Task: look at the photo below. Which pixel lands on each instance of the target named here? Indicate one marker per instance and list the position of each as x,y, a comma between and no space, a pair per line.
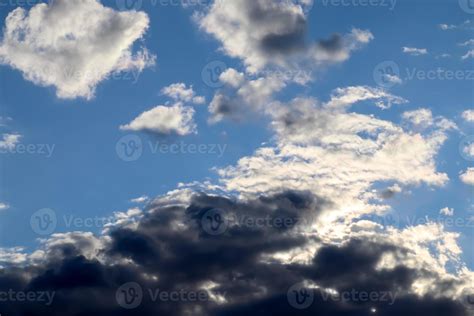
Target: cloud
446,27
173,249
469,54
176,119
415,51
273,33
466,25
179,92
9,141
420,117
447,211
468,115
311,140
4,206
73,45
141,199
241,96
468,176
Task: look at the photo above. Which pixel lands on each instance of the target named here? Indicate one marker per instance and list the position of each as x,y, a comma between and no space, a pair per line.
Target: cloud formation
468,176
273,33
178,247
176,119
73,45
415,51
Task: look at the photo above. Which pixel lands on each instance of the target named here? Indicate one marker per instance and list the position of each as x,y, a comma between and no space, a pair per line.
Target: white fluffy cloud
324,148
468,176
73,45
468,115
179,92
4,206
9,141
415,51
164,120
265,32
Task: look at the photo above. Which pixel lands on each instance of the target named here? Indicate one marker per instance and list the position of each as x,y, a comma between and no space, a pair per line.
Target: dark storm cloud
173,249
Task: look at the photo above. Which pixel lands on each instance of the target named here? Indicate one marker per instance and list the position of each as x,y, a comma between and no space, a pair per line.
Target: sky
122,123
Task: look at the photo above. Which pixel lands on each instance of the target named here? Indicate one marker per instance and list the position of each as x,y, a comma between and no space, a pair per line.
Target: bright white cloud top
73,45
468,176
164,120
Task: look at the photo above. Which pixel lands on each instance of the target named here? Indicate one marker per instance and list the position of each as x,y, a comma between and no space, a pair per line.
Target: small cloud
390,192
9,141
468,176
415,51
445,55
165,120
140,200
446,211
469,54
467,43
468,115
181,93
4,206
446,27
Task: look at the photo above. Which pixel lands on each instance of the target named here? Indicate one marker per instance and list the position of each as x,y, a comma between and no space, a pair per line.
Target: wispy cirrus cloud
414,51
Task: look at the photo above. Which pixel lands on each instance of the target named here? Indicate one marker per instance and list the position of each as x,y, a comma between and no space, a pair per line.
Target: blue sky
85,177
355,115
